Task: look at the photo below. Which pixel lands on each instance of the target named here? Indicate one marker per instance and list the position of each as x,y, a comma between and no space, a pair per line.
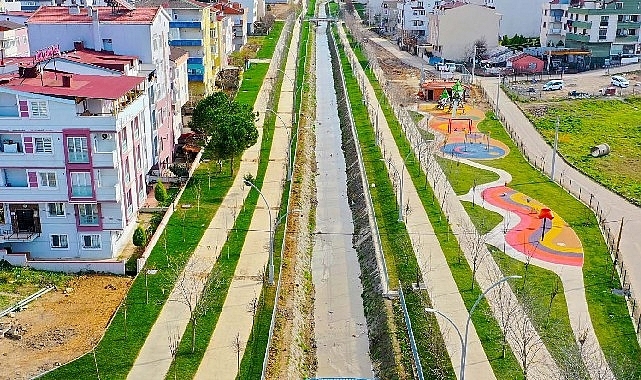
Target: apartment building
522,17
255,12
238,16
72,167
14,41
125,30
179,86
609,29
413,18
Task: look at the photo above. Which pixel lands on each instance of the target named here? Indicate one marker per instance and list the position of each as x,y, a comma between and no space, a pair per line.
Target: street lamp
289,143
467,324
271,232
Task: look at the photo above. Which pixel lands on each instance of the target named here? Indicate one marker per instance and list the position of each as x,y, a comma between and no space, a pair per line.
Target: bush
160,193
140,237
179,170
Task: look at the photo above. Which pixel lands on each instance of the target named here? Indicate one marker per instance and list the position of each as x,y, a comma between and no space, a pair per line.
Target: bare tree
173,341
474,242
506,308
237,345
527,342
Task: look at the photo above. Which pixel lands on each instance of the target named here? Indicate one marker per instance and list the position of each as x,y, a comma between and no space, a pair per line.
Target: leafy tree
140,237
229,124
160,193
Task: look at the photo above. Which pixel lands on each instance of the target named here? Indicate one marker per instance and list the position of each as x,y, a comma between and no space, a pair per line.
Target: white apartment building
179,87
522,17
140,32
72,167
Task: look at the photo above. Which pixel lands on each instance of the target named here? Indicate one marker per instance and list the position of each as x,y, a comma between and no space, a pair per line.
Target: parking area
575,86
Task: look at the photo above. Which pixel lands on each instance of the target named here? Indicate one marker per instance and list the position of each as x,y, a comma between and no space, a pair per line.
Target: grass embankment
360,8
608,312
396,244
116,352
588,122
252,362
486,327
186,362
334,9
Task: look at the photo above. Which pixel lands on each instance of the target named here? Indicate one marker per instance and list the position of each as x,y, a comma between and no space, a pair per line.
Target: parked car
556,84
619,81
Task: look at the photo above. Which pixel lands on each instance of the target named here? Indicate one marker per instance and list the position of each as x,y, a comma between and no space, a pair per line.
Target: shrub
160,193
140,237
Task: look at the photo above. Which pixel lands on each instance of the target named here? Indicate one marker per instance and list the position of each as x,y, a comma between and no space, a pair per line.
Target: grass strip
268,43
402,264
486,326
608,311
483,219
114,356
463,177
186,362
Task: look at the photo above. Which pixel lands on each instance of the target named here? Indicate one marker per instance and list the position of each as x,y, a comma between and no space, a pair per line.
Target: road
342,345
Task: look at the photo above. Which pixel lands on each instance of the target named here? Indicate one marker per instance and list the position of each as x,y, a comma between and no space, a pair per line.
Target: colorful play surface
558,243
463,137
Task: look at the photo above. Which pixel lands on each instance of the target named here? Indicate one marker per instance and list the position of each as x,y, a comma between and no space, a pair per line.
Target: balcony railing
108,193
181,42
628,25
626,39
582,24
78,157
105,159
577,37
89,220
81,191
185,24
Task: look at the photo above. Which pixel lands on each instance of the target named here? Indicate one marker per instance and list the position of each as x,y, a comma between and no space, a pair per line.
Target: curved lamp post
467,324
271,232
400,192
289,143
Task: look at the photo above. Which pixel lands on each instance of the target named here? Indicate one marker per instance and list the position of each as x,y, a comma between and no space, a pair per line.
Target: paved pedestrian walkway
608,205
154,358
236,319
431,259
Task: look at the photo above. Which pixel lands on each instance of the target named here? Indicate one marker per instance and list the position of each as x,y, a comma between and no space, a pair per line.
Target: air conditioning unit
107,136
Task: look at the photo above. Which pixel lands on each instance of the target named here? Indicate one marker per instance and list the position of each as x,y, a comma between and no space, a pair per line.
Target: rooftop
81,86
62,15
101,58
10,25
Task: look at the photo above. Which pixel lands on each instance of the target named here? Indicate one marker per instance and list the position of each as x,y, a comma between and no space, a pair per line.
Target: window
618,5
39,109
98,178
127,173
47,179
90,241
59,241
2,221
81,184
77,149
88,214
123,140
56,209
43,145
603,33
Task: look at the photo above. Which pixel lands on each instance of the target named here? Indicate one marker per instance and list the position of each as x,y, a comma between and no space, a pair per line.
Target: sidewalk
434,268
236,319
154,358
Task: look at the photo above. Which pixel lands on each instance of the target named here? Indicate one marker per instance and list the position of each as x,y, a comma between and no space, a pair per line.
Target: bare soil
61,326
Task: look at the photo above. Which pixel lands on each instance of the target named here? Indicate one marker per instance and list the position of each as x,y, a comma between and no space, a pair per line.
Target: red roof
229,8
101,58
82,86
60,15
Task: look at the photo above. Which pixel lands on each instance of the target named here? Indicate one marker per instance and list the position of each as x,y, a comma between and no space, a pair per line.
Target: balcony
554,31
581,24
105,159
81,191
196,77
18,237
620,39
78,157
13,178
195,61
628,25
11,143
109,193
181,42
577,37
185,24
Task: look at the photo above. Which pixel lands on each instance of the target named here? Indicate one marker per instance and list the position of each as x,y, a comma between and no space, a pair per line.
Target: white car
619,81
553,85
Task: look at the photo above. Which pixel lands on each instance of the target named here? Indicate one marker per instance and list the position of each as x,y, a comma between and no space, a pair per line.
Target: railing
410,332
81,191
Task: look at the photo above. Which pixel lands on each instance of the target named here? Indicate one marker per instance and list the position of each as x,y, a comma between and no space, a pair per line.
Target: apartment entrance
25,218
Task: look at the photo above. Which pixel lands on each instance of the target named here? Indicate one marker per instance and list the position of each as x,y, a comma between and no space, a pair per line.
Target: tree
160,193
140,237
230,126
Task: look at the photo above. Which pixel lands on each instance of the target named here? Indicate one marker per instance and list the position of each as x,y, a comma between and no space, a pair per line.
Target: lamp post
289,143
271,233
462,337
498,91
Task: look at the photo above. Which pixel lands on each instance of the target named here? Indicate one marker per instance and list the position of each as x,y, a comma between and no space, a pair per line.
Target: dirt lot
61,325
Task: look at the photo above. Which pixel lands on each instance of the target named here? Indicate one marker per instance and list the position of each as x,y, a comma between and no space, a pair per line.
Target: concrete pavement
154,358
236,318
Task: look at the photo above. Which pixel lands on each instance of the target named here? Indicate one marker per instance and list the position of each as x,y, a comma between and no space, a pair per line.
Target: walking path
433,265
236,319
154,358
609,206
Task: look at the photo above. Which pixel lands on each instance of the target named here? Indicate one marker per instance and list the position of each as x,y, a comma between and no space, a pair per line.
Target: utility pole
498,91
556,145
473,63
620,232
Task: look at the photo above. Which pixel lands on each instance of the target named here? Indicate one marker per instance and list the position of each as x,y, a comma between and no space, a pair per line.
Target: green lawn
484,220
486,327
360,8
464,177
588,122
268,42
609,312
16,283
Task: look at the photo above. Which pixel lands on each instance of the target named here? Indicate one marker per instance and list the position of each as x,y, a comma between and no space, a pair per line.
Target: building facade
238,16
139,32
179,87
71,163
14,41
522,17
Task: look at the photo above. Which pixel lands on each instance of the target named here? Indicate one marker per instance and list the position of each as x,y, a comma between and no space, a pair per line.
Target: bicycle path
155,358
